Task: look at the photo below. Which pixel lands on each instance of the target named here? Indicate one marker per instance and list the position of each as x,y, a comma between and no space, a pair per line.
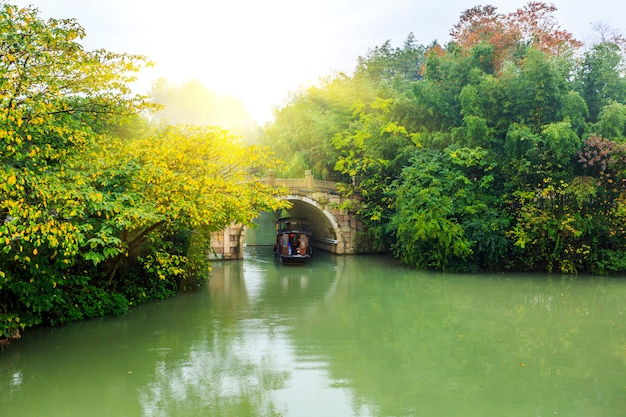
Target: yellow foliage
197,176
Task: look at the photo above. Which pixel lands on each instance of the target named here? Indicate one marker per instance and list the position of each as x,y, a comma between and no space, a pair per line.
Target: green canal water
341,336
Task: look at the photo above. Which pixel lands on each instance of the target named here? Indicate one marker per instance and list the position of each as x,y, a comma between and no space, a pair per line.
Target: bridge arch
326,230
334,229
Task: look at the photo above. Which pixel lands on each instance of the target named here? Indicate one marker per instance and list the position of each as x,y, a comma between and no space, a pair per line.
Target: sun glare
255,51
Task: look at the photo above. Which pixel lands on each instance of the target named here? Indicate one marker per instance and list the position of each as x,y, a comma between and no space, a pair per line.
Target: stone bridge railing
306,184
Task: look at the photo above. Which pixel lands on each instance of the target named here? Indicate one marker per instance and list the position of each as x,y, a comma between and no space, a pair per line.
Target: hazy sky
259,50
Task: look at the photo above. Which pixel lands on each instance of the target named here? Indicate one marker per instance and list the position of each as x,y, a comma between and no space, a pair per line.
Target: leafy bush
86,302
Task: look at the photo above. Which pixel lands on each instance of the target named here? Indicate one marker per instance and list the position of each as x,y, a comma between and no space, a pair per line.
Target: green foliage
498,150
445,217
535,86
437,97
560,143
551,230
373,152
396,68
612,121
610,262
478,132
85,302
52,90
575,110
600,79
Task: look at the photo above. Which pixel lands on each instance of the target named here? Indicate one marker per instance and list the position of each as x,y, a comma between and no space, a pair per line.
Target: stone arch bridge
334,229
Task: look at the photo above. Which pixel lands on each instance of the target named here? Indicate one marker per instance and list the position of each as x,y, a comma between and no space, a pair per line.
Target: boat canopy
293,225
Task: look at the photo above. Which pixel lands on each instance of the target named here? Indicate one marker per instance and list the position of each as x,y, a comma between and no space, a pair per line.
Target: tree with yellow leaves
97,209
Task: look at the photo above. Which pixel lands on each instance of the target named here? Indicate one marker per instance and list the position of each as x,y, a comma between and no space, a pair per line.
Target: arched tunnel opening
326,233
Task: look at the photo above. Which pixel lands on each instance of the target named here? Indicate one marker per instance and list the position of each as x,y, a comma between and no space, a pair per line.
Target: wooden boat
293,241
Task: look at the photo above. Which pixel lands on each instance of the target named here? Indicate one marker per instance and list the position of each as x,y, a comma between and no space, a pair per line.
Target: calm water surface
341,336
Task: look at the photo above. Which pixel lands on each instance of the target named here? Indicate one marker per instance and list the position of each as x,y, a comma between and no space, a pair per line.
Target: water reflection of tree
408,343
216,379
223,371
414,343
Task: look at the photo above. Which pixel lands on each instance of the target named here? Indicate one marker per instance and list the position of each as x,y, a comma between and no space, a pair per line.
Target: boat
293,240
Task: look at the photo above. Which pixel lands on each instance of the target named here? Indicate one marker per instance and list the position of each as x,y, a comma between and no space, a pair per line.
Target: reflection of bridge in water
334,228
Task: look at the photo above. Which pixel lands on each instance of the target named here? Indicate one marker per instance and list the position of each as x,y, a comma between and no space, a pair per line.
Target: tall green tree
600,77
612,121
445,214
372,153
398,67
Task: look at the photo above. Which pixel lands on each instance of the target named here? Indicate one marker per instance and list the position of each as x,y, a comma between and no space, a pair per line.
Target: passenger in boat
294,243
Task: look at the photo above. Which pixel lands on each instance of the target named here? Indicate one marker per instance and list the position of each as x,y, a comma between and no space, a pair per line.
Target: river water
341,336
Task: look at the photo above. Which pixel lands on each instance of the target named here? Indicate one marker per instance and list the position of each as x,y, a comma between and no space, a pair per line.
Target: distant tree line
504,149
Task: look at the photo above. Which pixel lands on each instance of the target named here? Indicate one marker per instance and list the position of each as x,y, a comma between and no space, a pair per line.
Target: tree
397,67
600,77
612,121
475,161
604,167
51,91
535,89
373,152
533,25
89,190
172,179
445,217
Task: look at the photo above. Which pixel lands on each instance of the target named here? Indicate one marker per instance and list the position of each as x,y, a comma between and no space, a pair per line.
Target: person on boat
293,243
